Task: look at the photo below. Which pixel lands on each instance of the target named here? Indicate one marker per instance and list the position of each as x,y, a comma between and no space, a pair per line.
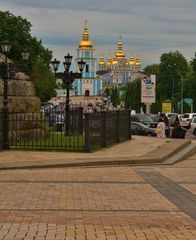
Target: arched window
87,93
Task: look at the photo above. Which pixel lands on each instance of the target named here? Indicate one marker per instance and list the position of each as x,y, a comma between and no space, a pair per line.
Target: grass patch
54,141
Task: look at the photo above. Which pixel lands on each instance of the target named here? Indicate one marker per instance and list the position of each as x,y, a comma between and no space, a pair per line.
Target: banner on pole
148,88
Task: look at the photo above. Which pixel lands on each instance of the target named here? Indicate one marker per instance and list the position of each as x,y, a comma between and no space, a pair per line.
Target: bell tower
89,83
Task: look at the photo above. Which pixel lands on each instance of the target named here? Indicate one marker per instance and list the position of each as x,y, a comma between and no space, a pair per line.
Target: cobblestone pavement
105,203
189,135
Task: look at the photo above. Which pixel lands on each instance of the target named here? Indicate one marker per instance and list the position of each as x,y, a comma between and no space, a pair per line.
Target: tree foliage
152,69
173,67
175,77
107,91
190,84
44,81
115,97
18,31
133,95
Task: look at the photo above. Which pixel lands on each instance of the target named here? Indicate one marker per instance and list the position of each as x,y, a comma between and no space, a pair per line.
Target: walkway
140,150
101,202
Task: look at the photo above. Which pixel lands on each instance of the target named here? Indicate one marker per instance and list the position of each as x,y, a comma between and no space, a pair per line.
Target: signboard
188,101
148,86
166,107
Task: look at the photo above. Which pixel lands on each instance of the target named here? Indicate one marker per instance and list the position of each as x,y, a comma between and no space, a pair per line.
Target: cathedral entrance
87,93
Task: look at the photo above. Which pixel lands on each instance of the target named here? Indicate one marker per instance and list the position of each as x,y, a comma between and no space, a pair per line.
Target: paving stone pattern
105,203
182,198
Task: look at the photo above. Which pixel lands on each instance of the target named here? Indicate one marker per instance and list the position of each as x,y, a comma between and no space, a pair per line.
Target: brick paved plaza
124,202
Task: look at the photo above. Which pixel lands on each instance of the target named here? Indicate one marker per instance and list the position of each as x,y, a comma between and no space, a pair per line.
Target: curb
177,150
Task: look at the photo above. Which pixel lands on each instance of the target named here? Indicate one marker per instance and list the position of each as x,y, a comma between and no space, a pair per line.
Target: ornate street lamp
6,70
25,54
55,64
68,77
6,46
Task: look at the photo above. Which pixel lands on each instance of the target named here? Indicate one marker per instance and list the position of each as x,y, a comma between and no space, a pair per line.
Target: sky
147,27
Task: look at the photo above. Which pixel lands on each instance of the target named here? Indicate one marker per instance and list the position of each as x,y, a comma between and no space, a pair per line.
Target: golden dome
101,61
137,61
132,61
85,43
127,63
114,61
120,53
109,61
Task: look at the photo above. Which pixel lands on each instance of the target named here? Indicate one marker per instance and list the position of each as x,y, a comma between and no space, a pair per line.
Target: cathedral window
87,68
87,55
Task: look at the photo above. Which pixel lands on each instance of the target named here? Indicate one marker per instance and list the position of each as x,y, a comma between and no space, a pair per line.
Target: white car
193,126
186,118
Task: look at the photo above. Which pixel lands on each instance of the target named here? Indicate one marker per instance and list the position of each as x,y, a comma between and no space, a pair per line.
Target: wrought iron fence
87,132
46,131
106,128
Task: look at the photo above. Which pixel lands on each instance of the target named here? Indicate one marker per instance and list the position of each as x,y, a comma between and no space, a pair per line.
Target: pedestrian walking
167,126
160,130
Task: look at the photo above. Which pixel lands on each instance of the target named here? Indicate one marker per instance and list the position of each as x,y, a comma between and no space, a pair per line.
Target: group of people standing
164,130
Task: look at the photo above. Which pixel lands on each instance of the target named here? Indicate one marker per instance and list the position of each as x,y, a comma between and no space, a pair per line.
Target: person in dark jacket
178,131
167,126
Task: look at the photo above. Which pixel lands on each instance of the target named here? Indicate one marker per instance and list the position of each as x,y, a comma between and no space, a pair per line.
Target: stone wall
21,95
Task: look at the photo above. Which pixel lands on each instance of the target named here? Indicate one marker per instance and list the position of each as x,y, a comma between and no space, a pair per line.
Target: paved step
166,151
181,155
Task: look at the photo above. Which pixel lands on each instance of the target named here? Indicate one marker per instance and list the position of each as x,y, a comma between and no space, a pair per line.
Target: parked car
138,128
143,118
193,126
186,118
155,117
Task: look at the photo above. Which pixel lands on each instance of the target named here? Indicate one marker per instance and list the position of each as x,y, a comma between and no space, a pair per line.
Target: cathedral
90,84
119,69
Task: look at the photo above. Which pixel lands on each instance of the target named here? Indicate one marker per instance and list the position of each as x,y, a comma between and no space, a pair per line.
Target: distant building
119,69
90,84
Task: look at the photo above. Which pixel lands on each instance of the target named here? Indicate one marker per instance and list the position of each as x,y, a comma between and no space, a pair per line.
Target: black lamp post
68,77
6,70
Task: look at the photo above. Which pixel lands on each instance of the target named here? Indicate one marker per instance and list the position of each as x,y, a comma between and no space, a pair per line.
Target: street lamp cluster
67,77
7,70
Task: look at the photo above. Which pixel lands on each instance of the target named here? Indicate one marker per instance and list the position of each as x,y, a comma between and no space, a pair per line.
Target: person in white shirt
160,129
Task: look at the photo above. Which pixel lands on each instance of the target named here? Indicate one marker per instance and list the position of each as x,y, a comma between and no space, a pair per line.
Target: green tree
190,85
44,81
107,91
173,67
193,64
128,96
18,31
152,69
115,98
133,95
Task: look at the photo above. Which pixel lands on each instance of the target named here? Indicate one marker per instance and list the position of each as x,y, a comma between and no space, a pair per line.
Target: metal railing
87,132
106,128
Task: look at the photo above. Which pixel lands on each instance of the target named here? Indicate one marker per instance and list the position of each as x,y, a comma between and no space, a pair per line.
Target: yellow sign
166,107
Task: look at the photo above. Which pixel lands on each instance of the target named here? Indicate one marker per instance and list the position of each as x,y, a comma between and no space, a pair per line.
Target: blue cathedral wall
98,87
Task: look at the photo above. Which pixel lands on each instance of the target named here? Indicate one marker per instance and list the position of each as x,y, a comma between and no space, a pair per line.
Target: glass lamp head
55,64
6,46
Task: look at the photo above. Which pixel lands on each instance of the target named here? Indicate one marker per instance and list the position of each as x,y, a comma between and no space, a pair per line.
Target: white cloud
149,27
